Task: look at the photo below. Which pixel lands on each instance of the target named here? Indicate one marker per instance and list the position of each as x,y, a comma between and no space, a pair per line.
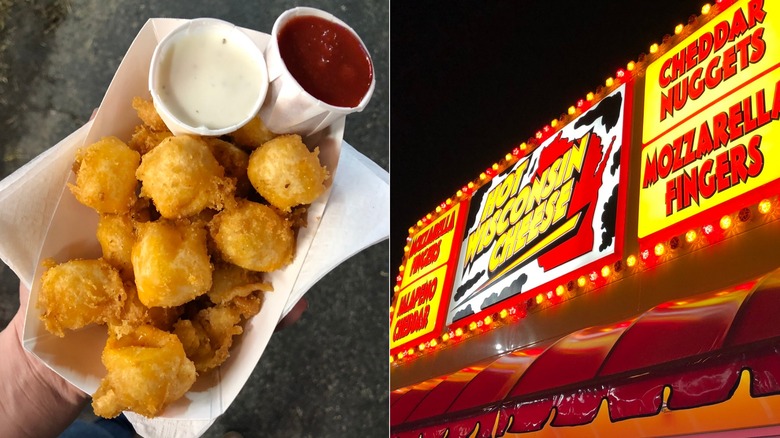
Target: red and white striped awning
696,347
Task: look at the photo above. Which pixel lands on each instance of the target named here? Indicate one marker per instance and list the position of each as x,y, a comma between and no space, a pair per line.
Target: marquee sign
710,121
556,211
429,269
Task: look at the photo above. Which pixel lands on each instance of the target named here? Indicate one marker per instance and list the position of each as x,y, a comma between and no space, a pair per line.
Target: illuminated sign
558,210
429,269
710,132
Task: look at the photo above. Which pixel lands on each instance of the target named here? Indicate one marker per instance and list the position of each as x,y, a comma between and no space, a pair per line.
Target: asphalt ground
328,374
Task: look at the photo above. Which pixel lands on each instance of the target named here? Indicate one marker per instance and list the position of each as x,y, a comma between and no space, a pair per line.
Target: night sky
470,80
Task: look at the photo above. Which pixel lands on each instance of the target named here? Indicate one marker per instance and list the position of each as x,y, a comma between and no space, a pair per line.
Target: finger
24,296
294,315
94,112
18,320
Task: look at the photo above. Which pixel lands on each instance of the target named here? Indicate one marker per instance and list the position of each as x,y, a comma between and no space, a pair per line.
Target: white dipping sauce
208,78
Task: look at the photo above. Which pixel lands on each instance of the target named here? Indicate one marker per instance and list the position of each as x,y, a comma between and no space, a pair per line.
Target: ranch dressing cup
319,71
207,77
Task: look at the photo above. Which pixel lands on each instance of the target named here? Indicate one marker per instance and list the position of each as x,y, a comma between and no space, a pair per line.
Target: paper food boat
70,233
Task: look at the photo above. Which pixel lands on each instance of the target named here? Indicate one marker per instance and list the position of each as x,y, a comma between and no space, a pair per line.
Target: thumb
294,315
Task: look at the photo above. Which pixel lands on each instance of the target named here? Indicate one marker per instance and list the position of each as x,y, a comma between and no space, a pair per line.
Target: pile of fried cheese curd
188,228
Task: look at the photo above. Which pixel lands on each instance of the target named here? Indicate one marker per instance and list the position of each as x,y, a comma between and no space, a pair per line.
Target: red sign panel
555,212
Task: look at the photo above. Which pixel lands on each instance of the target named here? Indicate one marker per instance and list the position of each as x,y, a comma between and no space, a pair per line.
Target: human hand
44,375
34,400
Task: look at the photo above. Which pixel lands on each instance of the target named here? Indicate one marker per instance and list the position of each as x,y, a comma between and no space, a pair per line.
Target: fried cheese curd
77,293
253,236
116,235
148,114
151,131
105,176
145,139
252,135
135,314
286,173
182,177
235,162
231,281
171,262
208,335
147,369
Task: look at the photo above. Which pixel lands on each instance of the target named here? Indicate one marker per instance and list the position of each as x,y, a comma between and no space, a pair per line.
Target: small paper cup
186,100
288,107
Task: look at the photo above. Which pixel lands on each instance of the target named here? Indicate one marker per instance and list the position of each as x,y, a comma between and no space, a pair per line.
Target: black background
470,80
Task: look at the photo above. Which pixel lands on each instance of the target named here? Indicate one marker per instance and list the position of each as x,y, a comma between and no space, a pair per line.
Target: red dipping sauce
326,59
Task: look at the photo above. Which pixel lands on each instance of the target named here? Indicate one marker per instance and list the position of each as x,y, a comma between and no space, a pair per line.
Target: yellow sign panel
431,247
739,43
715,138
417,308
429,270
723,153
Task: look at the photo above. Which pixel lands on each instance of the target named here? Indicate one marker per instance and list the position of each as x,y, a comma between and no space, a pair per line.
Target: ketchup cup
319,71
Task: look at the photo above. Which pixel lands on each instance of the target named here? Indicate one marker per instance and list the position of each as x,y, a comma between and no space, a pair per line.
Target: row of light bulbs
695,238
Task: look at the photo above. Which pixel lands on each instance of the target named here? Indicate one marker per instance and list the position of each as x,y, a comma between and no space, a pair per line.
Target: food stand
618,272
